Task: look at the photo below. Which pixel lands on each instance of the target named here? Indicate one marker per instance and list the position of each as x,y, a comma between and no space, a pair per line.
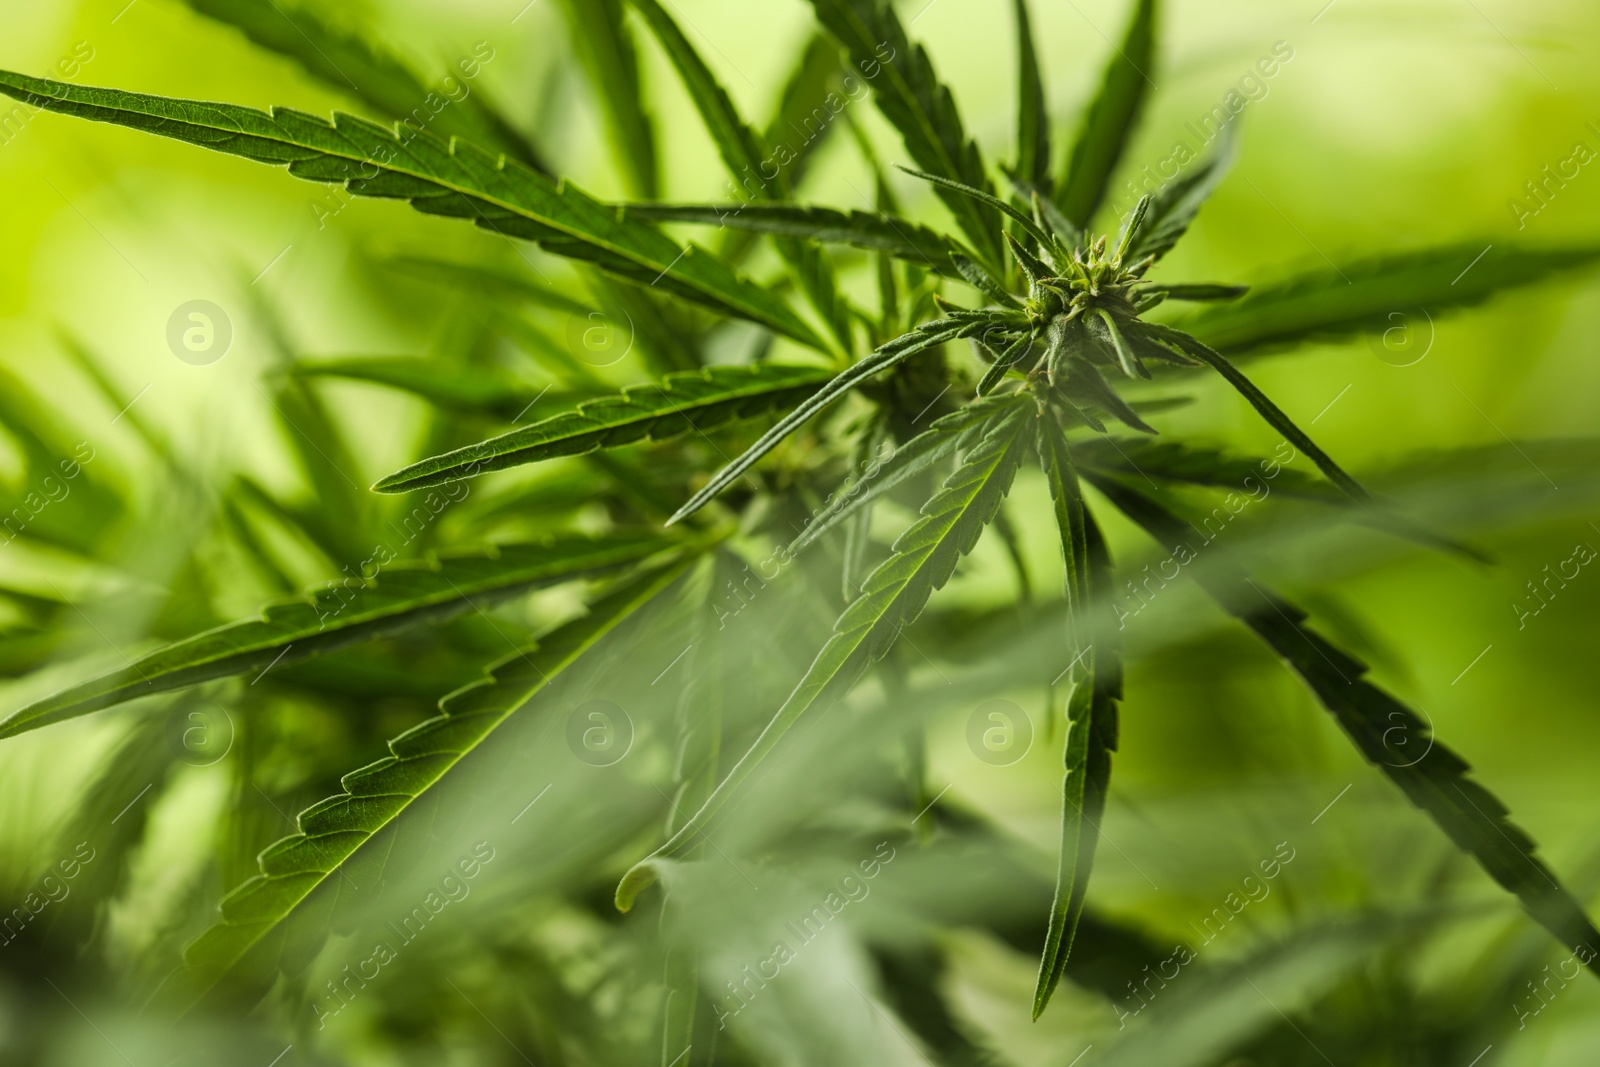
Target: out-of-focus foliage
713,423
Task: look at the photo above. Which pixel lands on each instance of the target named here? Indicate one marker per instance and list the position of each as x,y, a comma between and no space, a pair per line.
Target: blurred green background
1395,125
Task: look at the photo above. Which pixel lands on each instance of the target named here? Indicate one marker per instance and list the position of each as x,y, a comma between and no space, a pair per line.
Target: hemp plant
1027,330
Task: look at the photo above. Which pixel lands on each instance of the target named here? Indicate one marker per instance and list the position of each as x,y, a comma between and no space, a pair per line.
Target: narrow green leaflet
605,47
489,281
799,126
1109,123
1182,464
1399,292
1389,734
404,595
348,836
944,438
472,389
928,335
924,558
1091,706
910,95
1178,202
746,158
681,403
807,108
1173,462
455,179
349,64
1033,115
905,240
1270,412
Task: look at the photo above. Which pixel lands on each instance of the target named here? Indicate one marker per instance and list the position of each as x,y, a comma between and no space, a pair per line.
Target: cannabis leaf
1384,730
1177,204
914,243
1096,686
1381,293
928,335
469,389
350,835
354,609
1110,120
747,160
910,95
604,45
355,66
690,402
924,558
455,179
946,437
1033,114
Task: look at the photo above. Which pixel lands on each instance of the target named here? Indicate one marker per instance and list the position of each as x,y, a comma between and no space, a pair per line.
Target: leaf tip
639,878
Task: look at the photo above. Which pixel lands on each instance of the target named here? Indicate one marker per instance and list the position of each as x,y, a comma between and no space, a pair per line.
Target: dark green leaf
455,179
1263,404
929,335
1389,734
1398,291
1109,123
910,95
693,401
1033,115
924,558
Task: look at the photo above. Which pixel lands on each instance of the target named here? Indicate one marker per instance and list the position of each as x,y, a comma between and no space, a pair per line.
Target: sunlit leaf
604,45
352,832
455,179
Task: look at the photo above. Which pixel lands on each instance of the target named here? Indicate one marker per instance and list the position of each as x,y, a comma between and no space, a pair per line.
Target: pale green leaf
929,335
301,875
1177,203
747,160
403,595
943,439
604,45
470,389
1094,665
1033,115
